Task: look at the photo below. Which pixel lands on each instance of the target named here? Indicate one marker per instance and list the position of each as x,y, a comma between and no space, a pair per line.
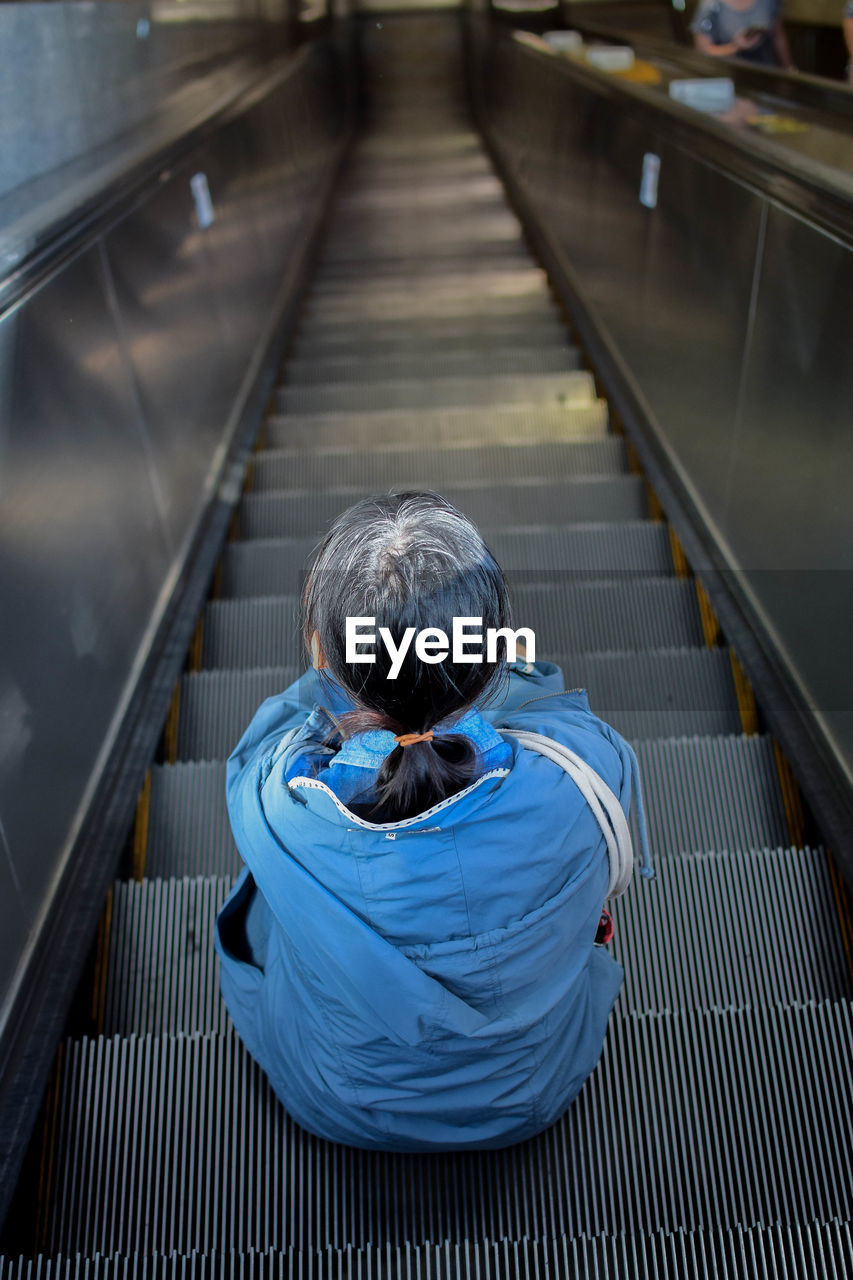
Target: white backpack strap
601,800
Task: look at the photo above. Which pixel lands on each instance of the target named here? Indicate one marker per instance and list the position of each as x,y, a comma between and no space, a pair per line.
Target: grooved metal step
521,500
438,334
276,566
674,693
150,1128
698,939
424,247
519,306
666,693
584,417
647,613
712,795
819,1251
162,973
216,706
547,390
492,273
385,467
497,362
188,831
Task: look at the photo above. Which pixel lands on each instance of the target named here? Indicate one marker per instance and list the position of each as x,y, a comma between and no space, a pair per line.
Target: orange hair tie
409,739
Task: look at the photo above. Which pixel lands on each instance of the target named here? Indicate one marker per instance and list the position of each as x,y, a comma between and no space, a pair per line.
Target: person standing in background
747,29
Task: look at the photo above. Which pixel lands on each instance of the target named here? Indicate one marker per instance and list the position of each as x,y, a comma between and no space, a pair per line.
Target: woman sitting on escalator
415,953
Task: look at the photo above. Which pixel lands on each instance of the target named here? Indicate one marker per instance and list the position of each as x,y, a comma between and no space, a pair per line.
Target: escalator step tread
548,390
702,795
585,417
517,498
644,613
687,1122
494,274
712,794
536,305
820,1251
676,693
498,362
162,973
215,707
699,938
188,831
437,334
274,566
383,467
425,249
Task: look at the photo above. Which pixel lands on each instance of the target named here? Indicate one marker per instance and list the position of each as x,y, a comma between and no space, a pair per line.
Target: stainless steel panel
788,507
117,383
83,560
733,317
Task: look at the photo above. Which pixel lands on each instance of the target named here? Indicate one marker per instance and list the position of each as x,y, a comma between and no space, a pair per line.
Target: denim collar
368,750
351,771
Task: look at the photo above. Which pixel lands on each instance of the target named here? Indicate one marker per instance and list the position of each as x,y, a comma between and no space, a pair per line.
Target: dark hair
408,560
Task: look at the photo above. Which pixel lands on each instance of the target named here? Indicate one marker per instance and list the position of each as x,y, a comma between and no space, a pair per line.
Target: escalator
714,1137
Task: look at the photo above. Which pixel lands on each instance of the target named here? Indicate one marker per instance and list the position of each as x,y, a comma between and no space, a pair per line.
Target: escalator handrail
799,87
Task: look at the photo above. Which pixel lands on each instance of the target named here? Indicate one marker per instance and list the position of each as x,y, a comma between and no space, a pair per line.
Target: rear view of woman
413,953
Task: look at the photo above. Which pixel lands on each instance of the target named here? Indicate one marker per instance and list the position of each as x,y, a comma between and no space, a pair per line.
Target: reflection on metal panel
118,381
83,558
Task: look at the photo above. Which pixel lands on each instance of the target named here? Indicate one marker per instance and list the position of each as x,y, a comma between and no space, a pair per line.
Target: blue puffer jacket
432,983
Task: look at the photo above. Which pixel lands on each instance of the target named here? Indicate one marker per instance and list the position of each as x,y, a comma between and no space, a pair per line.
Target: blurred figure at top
747,29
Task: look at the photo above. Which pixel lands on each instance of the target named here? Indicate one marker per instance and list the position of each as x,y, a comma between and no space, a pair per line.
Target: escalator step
646,613
674,693
659,694
522,499
275,566
162,973
425,248
383,467
177,1143
188,832
500,361
438,334
547,390
820,1251
215,707
703,936
520,307
699,938
716,794
582,419
455,274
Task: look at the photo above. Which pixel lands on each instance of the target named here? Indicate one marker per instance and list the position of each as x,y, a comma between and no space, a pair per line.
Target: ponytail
414,778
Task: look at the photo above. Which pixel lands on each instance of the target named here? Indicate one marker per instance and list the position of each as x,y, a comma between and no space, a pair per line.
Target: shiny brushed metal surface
731,314
120,385
84,554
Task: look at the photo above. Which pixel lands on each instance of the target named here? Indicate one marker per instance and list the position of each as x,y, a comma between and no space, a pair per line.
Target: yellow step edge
746,703
140,830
